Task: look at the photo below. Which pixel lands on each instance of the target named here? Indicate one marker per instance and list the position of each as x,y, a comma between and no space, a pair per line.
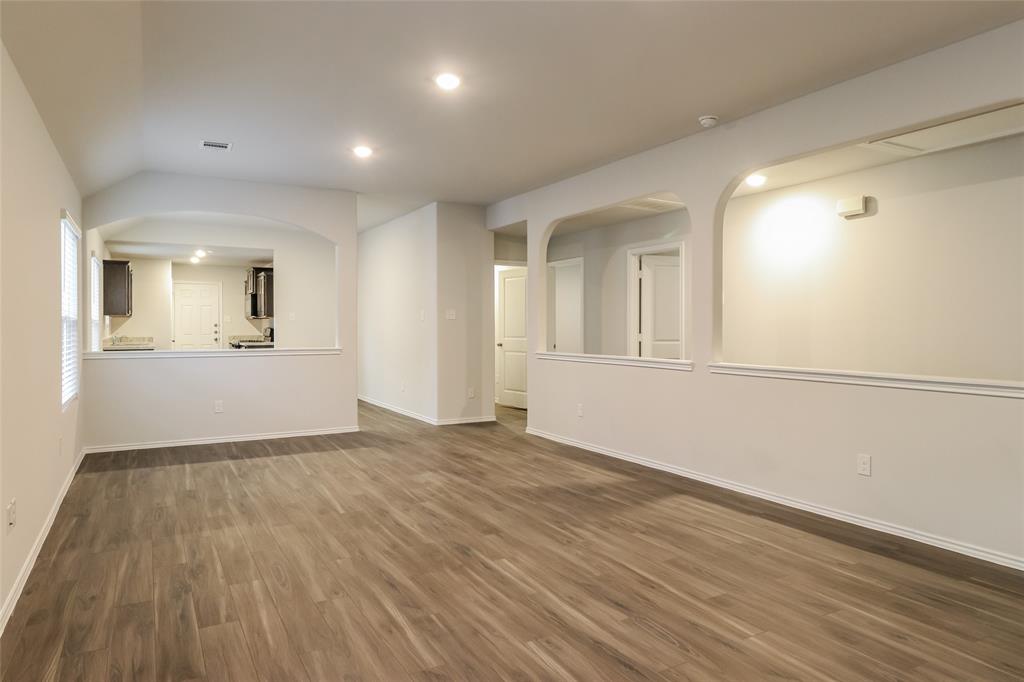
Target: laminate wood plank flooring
408,552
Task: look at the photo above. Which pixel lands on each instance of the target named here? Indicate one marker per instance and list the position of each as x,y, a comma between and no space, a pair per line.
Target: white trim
989,387
218,353
207,440
26,568
625,361
992,556
424,418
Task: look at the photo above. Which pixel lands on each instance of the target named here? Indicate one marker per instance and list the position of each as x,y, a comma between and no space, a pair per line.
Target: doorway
654,302
197,323
565,306
510,336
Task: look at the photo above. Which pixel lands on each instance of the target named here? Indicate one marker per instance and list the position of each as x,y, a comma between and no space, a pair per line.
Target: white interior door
510,337
196,316
565,306
660,335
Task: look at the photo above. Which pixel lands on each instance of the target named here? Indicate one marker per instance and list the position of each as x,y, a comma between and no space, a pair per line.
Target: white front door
196,316
565,306
659,307
510,337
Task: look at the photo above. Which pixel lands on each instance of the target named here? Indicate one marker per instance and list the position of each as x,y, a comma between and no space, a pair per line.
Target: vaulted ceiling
550,89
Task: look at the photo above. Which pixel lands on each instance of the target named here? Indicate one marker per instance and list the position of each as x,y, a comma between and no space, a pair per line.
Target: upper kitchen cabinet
117,288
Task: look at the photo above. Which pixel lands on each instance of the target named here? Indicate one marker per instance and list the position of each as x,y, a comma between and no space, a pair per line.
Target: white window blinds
69,306
95,329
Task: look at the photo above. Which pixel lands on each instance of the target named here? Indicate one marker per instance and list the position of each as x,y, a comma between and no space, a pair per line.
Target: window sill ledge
218,353
986,387
622,360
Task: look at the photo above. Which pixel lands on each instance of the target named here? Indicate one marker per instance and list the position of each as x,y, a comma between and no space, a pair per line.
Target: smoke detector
707,120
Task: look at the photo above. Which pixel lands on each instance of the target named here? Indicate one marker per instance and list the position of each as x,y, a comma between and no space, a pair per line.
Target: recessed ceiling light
756,180
362,151
200,253
193,260
447,81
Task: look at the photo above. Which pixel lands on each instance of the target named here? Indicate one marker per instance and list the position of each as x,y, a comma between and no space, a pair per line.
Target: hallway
413,552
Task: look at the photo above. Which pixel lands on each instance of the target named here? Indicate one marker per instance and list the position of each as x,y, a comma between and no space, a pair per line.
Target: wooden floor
411,552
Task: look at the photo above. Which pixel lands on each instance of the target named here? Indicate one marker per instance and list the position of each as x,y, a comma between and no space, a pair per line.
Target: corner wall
39,442
426,315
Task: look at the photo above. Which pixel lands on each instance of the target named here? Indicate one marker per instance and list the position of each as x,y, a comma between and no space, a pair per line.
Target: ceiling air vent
210,144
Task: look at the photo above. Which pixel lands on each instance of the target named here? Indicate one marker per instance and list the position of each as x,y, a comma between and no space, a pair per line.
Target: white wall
233,298
397,312
39,442
931,283
465,281
305,282
509,248
152,400
413,272
152,303
604,252
296,392
948,468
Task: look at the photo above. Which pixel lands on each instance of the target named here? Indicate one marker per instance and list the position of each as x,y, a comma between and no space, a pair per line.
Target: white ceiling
181,253
550,89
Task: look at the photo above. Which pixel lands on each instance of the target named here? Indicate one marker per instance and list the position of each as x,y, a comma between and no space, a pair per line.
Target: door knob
501,345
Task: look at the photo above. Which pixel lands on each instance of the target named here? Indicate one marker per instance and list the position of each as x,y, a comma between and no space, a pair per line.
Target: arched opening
854,259
189,280
616,280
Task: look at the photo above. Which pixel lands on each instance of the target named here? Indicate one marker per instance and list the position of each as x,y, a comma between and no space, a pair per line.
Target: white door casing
565,306
654,292
197,318
510,338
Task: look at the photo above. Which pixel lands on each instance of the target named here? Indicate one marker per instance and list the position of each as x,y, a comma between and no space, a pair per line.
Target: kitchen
180,298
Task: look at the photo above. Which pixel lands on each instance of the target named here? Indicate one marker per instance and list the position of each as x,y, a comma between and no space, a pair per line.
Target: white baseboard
425,418
26,568
982,553
149,445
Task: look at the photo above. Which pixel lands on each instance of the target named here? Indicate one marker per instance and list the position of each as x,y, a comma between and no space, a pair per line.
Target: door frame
220,310
499,374
633,294
565,262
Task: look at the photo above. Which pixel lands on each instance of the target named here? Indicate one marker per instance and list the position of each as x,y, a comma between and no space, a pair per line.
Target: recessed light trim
756,180
194,260
448,81
362,151
200,253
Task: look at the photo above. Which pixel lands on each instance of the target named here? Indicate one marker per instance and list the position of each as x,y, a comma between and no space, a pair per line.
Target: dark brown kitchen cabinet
117,288
259,293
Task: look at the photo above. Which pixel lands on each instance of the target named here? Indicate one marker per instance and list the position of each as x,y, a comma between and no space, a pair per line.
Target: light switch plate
449,314
864,465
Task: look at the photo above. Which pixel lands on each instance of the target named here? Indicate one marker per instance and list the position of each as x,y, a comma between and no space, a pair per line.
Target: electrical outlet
470,392
218,406
579,409
864,465
12,513
291,316
401,388
423,316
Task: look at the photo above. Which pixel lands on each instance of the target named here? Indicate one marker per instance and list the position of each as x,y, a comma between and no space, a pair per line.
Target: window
94,304
70,238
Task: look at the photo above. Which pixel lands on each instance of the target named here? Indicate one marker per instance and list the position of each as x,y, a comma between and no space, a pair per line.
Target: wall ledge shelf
219,353
986,387
622,360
